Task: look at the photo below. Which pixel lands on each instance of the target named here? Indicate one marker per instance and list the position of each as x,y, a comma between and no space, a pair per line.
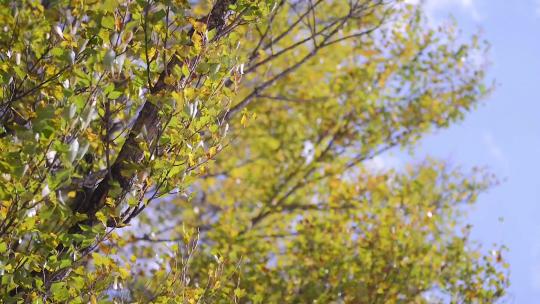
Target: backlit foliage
177,151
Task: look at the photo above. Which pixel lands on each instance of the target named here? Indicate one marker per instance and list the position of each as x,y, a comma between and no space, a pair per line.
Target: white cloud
308,153
494,150
435,7
383,162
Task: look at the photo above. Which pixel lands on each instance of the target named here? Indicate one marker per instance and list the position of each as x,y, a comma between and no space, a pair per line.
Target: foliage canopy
219,151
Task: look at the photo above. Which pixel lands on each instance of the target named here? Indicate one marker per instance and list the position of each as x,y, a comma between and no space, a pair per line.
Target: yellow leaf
109,201
199,26
170,80
368,53
212,152
124,273
151,53
101,217
192,161
117,23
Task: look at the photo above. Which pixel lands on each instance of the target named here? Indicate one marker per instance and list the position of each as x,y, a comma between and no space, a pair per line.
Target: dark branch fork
329,37
149,121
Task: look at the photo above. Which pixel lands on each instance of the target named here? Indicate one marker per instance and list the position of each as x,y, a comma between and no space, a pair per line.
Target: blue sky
503,133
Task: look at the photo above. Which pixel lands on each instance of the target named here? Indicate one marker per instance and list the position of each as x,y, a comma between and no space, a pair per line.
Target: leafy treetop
218,151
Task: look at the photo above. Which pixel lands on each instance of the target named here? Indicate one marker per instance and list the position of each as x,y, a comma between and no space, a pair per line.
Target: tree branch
148,124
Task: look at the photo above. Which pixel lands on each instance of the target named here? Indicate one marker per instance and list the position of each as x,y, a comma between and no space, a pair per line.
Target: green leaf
59,291
114,94
57,52
108,22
